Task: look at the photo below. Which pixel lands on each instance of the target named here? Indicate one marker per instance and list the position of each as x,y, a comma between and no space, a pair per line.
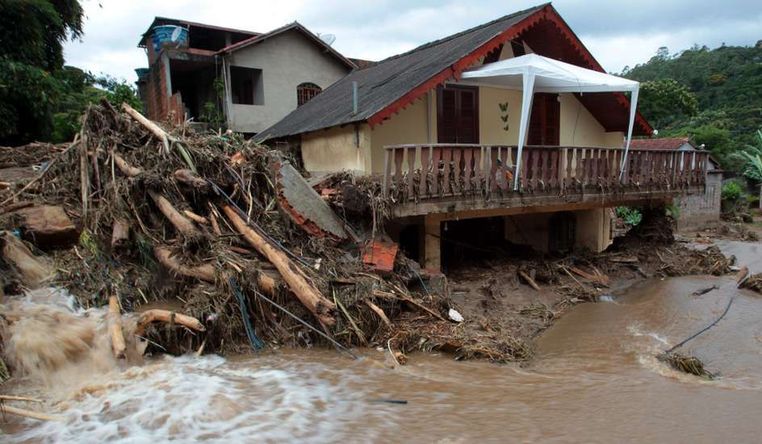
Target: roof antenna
328,39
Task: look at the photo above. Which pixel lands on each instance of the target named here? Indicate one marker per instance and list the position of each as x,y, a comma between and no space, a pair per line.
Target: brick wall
698,210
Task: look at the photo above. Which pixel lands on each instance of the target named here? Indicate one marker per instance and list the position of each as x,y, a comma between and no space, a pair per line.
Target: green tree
665,101
32,33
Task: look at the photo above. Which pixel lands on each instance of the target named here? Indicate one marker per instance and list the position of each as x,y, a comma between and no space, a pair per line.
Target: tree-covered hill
714,95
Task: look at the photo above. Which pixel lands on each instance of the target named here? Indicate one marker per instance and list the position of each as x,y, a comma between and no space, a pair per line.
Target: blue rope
256,343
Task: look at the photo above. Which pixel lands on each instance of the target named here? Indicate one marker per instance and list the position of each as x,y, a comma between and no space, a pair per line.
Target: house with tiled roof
507,132
243,80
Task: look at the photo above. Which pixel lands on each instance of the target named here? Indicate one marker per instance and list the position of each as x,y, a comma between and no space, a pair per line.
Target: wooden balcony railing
432,171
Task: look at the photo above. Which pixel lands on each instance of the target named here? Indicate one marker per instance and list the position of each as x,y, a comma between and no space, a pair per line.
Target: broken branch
166,316
180,222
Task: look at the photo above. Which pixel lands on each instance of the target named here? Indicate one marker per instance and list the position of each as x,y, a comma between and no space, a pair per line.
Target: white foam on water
204,399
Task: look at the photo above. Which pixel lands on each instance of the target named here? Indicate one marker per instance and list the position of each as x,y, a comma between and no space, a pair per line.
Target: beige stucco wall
491,126
417,124
286,61
337,149
580,128
408,126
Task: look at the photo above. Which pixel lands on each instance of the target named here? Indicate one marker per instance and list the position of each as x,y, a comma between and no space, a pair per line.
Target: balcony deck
449,178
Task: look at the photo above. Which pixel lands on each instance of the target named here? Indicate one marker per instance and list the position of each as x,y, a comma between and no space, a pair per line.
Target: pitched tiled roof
666,144
388,80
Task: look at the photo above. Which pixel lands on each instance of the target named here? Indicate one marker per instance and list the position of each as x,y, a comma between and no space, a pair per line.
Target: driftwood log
309,296
150,126
180,222
203,272
34,271
166,316
118,345
191,179
126,169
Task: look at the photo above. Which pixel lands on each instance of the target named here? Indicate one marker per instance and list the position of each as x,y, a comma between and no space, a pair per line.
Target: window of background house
305,92
246,86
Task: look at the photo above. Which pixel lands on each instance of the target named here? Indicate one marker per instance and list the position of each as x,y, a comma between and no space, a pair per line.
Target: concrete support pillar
432,249
594,229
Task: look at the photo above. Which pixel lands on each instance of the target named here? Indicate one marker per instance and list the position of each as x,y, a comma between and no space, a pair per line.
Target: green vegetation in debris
40,98
713,96
630,216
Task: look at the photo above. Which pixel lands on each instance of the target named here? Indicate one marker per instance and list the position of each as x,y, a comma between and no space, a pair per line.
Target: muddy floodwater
595,379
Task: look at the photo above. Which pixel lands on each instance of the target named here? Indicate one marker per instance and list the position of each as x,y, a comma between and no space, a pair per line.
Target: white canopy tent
532,73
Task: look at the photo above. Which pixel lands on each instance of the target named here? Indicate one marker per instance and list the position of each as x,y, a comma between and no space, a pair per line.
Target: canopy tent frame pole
526,108
633,111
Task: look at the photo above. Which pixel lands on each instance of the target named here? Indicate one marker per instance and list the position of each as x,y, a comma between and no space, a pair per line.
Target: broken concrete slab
47,227
304,206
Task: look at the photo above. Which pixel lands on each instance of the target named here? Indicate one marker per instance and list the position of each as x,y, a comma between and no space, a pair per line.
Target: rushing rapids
595,377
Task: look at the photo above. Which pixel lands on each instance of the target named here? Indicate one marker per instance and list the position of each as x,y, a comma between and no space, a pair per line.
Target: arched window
306,91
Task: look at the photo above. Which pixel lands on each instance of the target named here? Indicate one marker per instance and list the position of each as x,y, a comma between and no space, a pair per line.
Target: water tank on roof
171,35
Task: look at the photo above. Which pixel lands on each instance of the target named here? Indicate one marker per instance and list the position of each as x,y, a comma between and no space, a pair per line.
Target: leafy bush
732,191
630,216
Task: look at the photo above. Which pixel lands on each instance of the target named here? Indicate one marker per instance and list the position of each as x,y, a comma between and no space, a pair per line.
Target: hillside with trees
41,98
712,95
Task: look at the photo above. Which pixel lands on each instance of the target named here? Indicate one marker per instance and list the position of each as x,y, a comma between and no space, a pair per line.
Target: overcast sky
617,33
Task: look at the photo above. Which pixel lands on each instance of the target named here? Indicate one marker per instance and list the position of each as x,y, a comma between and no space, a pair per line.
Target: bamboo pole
309,296
118,344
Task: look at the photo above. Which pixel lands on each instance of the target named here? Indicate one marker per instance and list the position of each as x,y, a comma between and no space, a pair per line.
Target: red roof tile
666,144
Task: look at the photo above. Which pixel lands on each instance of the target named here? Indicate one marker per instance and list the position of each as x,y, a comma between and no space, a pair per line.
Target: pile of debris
226,231
240,251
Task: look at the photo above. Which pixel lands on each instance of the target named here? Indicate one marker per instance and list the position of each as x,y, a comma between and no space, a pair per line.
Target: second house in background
244,80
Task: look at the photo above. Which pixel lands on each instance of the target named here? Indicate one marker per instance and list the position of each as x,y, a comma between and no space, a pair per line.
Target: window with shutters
545,122
305,92
458,114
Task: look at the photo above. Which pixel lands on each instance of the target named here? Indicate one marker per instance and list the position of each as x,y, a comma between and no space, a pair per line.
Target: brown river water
595,379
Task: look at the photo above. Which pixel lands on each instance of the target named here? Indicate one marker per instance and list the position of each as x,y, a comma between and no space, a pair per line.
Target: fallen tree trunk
118,344
166,316
202,272
309,296
150,126
180,222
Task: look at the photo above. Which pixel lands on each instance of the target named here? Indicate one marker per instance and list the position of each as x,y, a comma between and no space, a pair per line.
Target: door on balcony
458,114
545,121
